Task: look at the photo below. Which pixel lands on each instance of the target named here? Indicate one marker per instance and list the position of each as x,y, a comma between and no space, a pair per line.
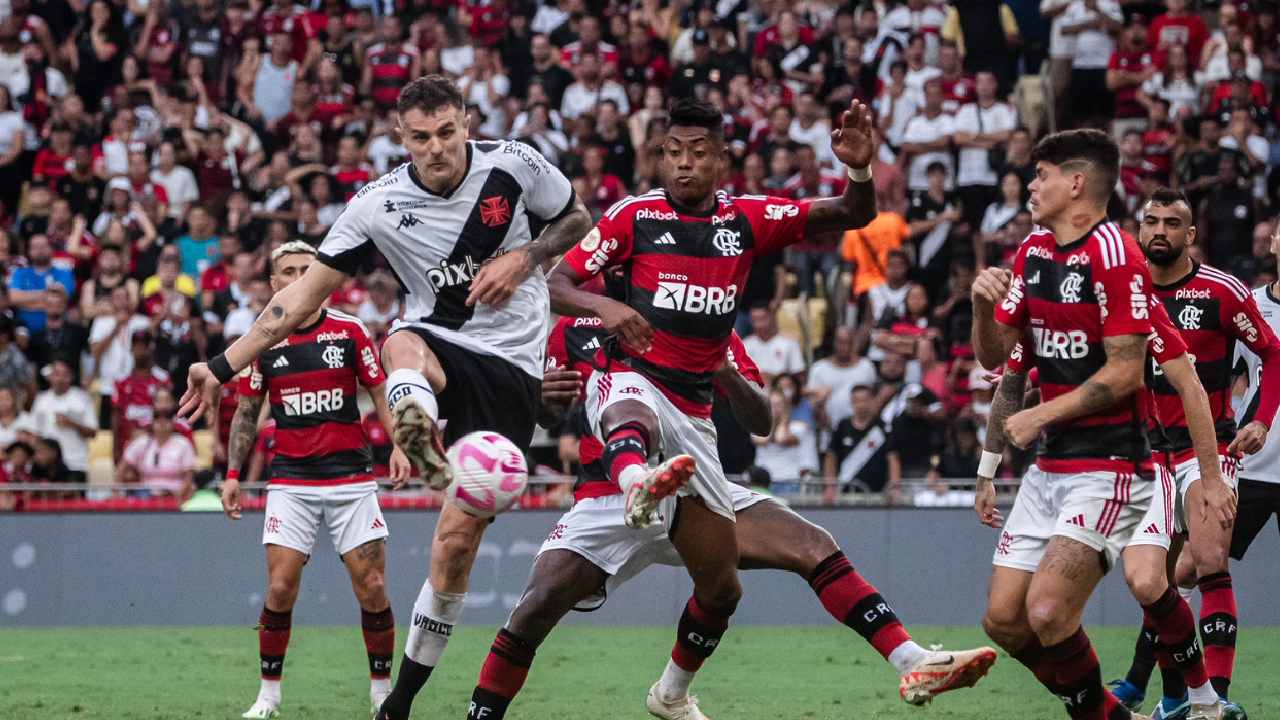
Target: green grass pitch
580,672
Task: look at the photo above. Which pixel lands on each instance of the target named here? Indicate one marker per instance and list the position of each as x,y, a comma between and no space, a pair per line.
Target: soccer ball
489,473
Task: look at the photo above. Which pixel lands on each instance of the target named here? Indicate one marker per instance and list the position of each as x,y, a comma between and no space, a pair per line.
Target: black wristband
221,369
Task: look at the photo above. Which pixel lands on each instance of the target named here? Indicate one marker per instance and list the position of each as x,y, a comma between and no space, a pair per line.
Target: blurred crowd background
153,152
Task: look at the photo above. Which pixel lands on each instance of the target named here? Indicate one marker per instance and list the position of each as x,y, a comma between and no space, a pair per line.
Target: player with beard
686,250
1213,311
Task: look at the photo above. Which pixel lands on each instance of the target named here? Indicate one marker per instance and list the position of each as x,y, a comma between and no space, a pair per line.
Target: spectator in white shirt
810,128
775,354
980,127
178,181
928,140
790,451
583,96
65,413
110,341
1095,25
381,307
14,423
831,379
1062,52
485,86
922,18
161,460
918,71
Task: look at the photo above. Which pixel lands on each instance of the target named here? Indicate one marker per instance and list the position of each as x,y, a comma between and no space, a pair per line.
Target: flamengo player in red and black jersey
1165,613
321,468
1213,311
1079,289
685,251
591,548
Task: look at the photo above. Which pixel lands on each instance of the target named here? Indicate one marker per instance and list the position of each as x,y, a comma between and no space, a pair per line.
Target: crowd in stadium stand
153,152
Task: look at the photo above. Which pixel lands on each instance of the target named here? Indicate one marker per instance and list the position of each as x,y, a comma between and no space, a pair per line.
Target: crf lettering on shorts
1070,345
699,299
310,403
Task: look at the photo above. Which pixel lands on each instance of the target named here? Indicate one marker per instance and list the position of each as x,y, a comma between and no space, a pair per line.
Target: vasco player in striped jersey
322,468
1214,312
591,552
1079,288
1146,555
685,251
457,225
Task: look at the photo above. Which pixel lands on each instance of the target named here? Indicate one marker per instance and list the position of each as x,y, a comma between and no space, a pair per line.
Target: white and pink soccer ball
489,473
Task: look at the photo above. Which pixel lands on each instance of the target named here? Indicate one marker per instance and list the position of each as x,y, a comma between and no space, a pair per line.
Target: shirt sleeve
547,192
1122,285
1165,342
557,349
1255,334
776,222
368,368
609,243
1012,310
348,241
739,356
252,383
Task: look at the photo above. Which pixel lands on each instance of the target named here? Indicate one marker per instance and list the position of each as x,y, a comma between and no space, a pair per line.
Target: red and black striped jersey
390,66
684,274
574,343
310,380
1214,311
1068,299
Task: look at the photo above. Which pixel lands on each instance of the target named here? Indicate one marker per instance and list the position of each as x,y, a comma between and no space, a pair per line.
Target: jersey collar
1075,244
686,210
1195,268
324,313
413,175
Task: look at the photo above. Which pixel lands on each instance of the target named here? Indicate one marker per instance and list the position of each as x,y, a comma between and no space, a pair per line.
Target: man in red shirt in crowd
640,63
289,17
957,88
389,65
1130,66
350,174
135,395
1178,26
591,39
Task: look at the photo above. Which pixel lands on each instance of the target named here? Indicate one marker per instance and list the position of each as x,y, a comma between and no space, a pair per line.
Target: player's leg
771,536
415,376
1209,544
367,566
1132,689
559,581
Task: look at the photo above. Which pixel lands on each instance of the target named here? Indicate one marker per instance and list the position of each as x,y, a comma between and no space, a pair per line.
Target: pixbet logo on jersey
452,274
686,297
309,403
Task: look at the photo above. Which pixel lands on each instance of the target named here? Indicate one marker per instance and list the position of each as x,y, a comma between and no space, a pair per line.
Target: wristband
988,464
221,369
233,474
860,175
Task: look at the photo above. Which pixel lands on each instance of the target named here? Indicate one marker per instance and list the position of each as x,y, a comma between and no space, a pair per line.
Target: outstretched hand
202,394
854,141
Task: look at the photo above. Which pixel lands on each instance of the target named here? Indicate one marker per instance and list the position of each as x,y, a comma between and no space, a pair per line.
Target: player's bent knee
630,412
372,590
1146,584
722,596
1050,620
452,555
281,593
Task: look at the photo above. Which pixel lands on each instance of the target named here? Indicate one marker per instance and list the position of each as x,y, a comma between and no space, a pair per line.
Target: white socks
379,686
906,656
270,691
410,383
674,684
434,615
631,475
1187,593
1203,695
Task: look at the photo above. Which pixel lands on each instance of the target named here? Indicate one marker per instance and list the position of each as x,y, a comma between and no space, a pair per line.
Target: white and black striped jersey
436,243
1265,464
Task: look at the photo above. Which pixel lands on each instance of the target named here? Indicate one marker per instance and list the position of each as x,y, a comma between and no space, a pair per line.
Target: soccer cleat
419,437
376,698
662,481
1128,694
1177,712
262,709
943,671
686,708
1232,711
1208,711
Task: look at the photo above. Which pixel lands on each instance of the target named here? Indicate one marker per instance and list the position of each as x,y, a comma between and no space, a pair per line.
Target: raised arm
854,144
992,340
1219,500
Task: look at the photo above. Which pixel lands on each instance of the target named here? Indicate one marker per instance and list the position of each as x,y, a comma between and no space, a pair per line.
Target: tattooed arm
1119,378
244,432
1006,403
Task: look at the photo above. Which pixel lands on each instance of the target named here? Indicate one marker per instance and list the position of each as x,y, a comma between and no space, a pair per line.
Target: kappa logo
333,356
778,212
727,242
1070,289
1189,317
281,362
665,239
407,221
495,211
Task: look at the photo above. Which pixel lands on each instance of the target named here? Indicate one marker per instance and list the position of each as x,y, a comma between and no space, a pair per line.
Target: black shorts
483,392
1258,501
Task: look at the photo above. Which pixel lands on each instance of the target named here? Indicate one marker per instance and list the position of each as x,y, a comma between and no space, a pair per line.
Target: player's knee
535,615
1050,620
632,413
373,589
1146,584
1004,627
452,554
281,593
722,596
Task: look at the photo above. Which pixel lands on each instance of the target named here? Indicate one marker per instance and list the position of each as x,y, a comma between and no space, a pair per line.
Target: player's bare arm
747,400
992,340
399,464
1119,378
619,319
854,144
286,311
244,431
559,390
498,279
1004,405
1219,500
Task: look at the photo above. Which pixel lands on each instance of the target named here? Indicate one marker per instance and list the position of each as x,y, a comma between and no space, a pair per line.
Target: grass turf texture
758,672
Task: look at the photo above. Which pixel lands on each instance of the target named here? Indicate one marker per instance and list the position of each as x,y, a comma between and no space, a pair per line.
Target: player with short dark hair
686,250
1079,289
322,468
591,552
457,226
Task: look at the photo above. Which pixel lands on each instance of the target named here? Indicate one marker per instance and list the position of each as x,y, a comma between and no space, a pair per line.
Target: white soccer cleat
263,709
686,708
662,481
419,437
942,671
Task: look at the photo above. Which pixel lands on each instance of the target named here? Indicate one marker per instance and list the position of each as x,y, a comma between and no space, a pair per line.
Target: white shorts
1157,525
1187,472
594,529
681,434
351,511
1100,509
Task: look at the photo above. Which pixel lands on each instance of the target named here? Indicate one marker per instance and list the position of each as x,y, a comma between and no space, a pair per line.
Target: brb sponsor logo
683,296
778,212
316,401
1056,344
